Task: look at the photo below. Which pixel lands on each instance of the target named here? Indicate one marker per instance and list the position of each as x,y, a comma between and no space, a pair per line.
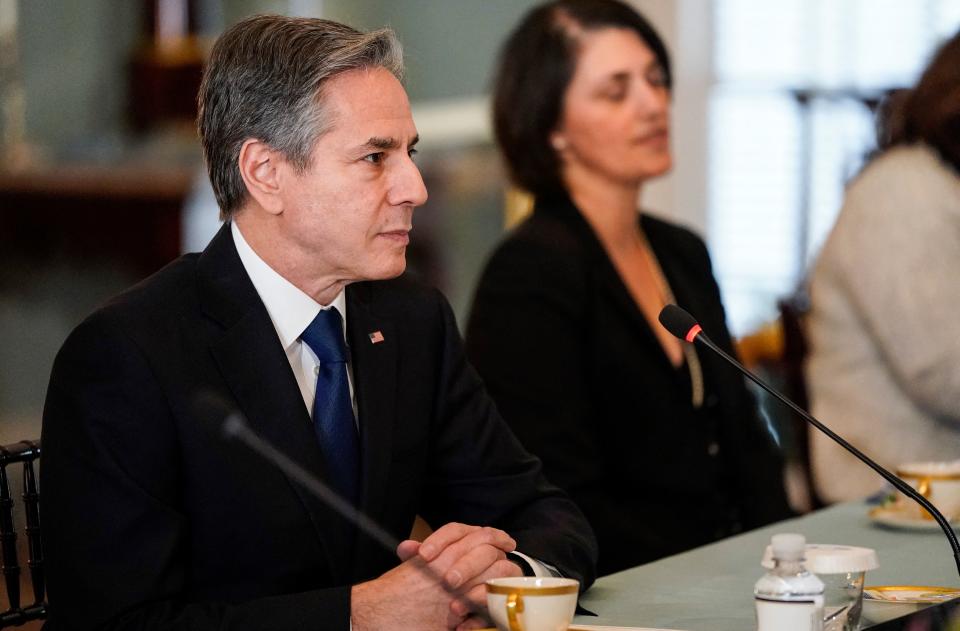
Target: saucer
587,627
912,594
903,520
882,603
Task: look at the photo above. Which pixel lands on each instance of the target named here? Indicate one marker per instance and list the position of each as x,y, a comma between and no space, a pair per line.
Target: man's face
350,213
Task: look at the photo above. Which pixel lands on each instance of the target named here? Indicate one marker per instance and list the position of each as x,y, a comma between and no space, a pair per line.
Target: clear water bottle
788,597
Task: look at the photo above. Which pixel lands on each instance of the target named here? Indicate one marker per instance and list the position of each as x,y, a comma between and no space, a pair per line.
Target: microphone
233,425
681,324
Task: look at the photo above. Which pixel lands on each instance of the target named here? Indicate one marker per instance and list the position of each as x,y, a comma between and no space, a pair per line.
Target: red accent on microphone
692,334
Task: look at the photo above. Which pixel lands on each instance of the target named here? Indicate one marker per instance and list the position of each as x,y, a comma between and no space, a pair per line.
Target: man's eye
412,153
374,158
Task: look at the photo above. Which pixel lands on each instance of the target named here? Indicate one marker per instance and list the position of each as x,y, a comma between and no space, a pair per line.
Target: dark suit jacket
153,520
577,372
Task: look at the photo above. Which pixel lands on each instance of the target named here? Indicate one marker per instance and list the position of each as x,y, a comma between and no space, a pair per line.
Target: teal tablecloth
711,588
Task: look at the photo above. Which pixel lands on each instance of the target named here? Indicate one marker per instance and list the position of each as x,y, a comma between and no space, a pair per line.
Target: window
790,122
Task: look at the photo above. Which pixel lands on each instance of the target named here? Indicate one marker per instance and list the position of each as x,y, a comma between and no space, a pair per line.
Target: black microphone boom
682,325
233,425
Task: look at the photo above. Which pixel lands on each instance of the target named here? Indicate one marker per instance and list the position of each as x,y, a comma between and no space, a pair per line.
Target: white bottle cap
825,558
788,546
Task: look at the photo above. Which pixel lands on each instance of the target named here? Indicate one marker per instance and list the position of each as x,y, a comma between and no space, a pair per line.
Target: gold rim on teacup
929,476
533,591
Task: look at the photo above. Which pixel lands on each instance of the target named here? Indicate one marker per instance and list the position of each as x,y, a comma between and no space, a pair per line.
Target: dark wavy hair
930,111
535,67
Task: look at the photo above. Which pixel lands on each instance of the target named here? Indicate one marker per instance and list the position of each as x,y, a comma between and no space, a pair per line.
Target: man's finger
454,619
476,596
408,549
443,537
474,622
491,537
473,563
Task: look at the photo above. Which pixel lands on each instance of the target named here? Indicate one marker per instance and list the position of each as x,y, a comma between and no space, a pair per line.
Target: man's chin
390,271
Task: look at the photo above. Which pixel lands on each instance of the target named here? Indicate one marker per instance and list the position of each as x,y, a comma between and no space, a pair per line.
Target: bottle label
803,613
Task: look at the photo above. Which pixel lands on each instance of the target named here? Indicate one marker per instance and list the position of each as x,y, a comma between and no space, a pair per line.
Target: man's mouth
400,237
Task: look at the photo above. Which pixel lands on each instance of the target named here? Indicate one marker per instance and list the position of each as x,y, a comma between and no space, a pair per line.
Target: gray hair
265,81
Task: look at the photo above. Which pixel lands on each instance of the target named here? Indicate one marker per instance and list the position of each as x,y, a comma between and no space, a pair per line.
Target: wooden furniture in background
26,452
167,67
128,215
777,352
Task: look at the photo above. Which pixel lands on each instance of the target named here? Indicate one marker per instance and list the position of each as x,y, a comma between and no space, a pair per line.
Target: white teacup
939,482
530,603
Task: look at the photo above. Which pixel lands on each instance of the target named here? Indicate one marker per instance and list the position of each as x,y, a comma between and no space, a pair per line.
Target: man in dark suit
152,520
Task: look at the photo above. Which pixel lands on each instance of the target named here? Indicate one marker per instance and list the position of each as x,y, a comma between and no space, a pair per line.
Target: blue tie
332,409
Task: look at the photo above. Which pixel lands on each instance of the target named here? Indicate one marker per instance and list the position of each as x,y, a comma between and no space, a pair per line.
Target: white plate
896,518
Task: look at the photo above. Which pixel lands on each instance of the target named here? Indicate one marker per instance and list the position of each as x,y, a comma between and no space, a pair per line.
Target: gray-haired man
153,521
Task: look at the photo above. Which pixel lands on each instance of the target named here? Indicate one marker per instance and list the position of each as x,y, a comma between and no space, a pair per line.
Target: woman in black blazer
660,445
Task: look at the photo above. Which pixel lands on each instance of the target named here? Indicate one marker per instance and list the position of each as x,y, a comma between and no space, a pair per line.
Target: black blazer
577,372
152,520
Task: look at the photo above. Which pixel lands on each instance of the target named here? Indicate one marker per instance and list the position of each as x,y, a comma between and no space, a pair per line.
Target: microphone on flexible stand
233,425
681,324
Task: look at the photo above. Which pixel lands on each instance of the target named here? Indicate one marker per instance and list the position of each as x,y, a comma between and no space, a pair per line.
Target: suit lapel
608,280
614,287
374,363
255,368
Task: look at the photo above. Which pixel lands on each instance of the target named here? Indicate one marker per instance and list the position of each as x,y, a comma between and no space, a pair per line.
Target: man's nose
408,188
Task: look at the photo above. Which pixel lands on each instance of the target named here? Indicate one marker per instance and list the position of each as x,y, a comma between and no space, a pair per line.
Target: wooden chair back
24,454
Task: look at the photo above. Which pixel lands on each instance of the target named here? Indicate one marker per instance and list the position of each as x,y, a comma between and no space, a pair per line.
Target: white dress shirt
291,311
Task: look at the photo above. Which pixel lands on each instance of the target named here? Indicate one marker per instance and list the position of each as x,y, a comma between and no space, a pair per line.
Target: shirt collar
290,309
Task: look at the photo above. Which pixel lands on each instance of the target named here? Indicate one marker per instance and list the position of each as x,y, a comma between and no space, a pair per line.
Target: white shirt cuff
539,568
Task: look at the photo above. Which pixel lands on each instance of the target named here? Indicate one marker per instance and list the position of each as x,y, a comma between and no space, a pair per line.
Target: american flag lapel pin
376,337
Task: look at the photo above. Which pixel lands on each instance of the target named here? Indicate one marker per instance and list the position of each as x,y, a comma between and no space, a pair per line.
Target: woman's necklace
666,296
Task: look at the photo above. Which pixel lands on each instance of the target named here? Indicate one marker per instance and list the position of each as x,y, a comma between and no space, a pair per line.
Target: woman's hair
536,65
930,112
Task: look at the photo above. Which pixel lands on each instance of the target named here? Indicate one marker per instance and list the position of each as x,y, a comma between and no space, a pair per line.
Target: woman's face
615,118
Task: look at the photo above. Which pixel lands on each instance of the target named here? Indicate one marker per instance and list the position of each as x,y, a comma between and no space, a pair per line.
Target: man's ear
260,169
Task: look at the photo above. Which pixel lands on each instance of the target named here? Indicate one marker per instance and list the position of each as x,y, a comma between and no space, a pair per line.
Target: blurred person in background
660,446
884,368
